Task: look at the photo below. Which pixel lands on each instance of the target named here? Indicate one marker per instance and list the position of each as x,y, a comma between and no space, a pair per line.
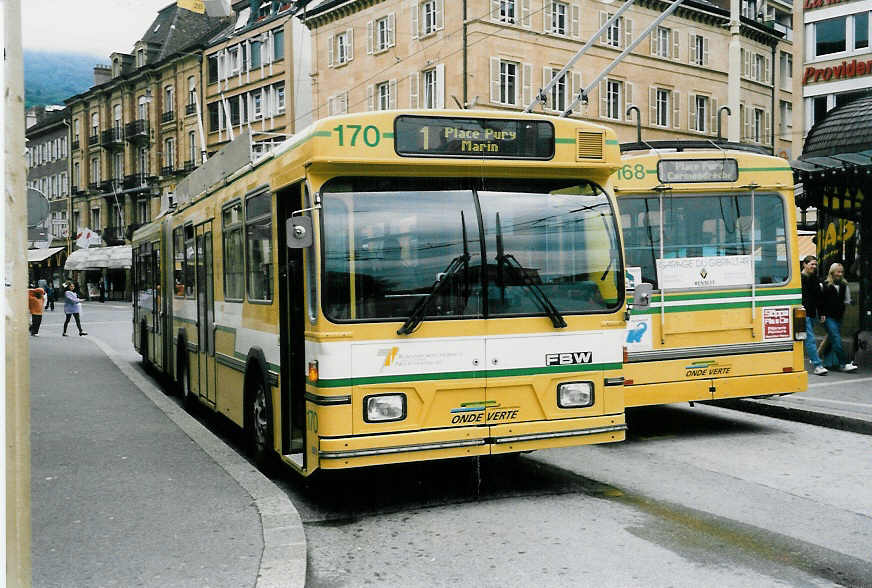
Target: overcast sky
92,27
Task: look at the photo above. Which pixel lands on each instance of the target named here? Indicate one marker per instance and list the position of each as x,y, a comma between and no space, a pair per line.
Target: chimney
102,74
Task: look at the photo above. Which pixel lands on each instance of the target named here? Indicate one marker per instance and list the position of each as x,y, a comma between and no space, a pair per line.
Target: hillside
50,77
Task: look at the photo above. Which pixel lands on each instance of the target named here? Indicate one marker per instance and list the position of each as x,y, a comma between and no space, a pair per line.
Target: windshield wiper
442,278
522,275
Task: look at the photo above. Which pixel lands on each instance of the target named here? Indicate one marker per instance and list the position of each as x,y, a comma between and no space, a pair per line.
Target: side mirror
642,295
299,232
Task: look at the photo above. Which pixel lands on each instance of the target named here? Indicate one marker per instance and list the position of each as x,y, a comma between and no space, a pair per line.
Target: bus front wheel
259,425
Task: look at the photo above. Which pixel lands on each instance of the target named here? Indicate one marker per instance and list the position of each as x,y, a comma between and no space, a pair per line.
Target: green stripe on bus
736,294
612,142
474,374
564,141
718,306
388,135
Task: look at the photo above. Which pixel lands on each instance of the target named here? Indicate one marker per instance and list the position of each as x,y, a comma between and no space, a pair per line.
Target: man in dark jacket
811,300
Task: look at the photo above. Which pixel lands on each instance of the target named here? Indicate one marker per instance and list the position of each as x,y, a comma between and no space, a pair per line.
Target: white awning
118,257
42,254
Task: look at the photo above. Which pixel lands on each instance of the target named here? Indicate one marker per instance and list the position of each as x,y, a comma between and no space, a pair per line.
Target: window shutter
575,89
714,115
768,128
691,105
413,90
705,51
392,99
766,69
527,84
414,14
747,122
330,40
440,85
344,102
746,63
392,26
495,10
350,44
370,40
495,80
652,105
575,21
691,48
546,16
628,99
370,97
628,32
676,109
676,45
604,38
654,35
330,111
604,99
440,20
525,14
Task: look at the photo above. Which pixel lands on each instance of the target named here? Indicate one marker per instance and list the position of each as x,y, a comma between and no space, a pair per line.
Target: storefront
102,272
46,264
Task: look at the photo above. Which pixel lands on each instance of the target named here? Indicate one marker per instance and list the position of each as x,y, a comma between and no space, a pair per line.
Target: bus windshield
709,225
398,246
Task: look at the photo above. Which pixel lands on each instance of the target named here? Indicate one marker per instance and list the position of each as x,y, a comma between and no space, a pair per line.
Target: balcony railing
137,131
167,170
189,166
74,145
113,137
135,181
93,139
110,186
114,235
190,109
93,186
167,116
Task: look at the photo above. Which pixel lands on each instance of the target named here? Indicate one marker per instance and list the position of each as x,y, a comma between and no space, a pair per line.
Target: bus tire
183,379
143,346
258,421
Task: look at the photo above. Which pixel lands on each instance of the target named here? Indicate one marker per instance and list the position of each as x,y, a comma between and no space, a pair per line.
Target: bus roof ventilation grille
590,145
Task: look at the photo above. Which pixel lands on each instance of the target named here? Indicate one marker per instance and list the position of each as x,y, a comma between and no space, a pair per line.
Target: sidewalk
128,489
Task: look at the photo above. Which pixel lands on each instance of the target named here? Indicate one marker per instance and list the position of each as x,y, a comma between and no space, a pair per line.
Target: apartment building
498,54
256,76
139,128
836,56
47,169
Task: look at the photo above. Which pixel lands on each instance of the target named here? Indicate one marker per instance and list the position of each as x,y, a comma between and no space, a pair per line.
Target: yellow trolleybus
711,250
395,286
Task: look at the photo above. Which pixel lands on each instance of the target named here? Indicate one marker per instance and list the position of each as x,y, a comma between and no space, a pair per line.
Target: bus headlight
384,408
575,394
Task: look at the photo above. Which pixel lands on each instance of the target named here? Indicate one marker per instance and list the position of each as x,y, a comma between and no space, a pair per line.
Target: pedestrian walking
812,295
35,303
836,296
50,296
72,307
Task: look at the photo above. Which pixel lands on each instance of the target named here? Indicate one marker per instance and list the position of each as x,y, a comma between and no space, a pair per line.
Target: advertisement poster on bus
639,333
776,323
685,273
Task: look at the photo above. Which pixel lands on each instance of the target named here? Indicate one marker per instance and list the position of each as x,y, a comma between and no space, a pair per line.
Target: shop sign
843,71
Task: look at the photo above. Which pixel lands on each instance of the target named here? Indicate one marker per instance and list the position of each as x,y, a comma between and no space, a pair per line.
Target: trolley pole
14,341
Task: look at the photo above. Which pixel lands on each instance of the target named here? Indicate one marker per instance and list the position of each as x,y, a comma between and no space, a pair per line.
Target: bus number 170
371,134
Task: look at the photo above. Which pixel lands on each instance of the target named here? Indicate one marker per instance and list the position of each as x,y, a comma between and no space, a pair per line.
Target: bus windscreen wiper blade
443,278
515,266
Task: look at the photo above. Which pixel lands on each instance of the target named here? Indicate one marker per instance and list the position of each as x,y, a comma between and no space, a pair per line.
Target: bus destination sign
478,138
674,171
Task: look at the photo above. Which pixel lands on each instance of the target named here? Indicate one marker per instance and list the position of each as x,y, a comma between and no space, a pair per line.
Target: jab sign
776,323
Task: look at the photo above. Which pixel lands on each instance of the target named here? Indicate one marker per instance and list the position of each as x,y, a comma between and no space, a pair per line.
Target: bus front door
205,313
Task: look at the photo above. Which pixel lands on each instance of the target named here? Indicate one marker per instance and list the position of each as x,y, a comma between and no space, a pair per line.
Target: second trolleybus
711,249
396,286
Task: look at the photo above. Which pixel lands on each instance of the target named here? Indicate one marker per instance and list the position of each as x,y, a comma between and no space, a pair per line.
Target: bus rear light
628,382
383,408
575,394
787,370
313,371
626,355
799,323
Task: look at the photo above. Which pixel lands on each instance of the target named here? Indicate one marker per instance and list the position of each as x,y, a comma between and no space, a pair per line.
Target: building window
861,30
169,154
77,220
384,33
786,116
142,160
830,36
700,113
749,9
699,50
278,41
662,107
661,40
340,48
758,129
140,57
760,68
279,91
383,93
559,12
95,219
508,82
337,104
786,61
558,90
77,175
258,246
615,31
118,166
95,170
169,103
95,124
428,17
614,91
431,85
506,11
192,91
192,147
234,278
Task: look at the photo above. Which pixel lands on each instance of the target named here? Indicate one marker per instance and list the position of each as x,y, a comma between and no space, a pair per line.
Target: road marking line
839,383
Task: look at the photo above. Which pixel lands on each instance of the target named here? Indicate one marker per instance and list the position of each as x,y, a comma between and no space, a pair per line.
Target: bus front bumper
349,452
